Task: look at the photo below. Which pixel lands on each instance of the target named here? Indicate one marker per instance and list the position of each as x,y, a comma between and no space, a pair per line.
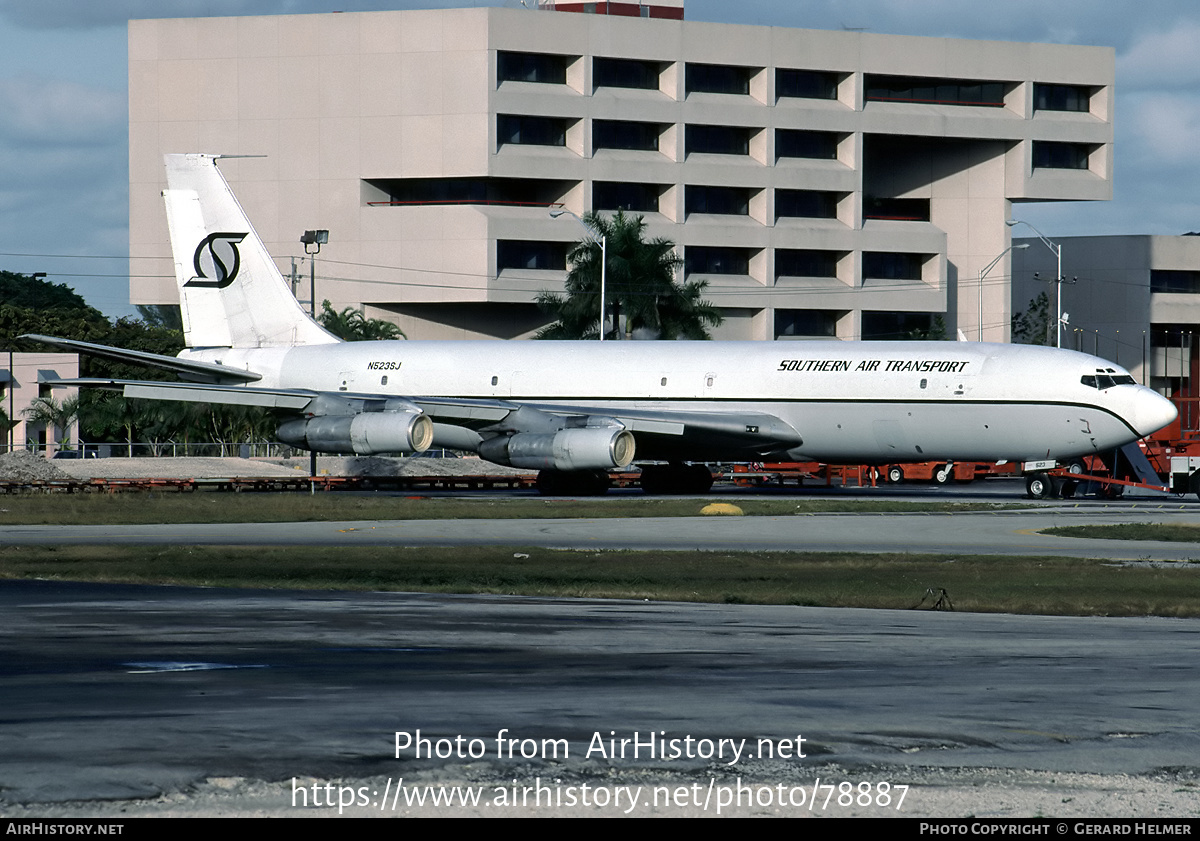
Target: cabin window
495,380
383,380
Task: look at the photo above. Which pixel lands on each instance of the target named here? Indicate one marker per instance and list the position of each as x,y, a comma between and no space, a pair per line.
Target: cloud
89,14
56,112
1163,59
1166,125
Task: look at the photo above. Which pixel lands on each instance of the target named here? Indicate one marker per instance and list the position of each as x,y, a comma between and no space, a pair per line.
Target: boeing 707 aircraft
574,410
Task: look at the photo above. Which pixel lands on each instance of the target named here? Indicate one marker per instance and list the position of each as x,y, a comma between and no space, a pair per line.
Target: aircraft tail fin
230,292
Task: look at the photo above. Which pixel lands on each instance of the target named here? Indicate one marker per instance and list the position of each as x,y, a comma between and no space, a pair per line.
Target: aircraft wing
661,434
463,422
676,435
199,371
231,395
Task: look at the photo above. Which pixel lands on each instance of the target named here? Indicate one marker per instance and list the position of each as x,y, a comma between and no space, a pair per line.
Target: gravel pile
172,468
22,466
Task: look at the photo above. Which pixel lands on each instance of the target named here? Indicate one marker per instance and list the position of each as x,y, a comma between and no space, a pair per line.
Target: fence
168,449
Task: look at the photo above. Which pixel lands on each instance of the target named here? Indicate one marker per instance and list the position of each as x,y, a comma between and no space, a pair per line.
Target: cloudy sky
63,77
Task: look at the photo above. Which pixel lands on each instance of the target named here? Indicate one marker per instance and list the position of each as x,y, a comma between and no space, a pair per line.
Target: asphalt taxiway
1002,532
116,691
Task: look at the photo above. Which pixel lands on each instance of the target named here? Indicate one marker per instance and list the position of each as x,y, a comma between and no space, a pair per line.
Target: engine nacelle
596,448
364,434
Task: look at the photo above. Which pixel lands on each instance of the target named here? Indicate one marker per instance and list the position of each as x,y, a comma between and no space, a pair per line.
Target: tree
34,293
352,326
54,415
640,284
1032,327
935,333
168,316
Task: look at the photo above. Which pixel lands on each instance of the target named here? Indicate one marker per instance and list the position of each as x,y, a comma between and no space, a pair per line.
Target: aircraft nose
1152,411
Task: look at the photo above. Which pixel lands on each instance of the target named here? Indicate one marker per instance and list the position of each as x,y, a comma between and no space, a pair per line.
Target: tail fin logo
217,260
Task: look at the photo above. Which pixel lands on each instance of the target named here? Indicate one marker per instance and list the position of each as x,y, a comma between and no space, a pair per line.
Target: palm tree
54,415
5,426
641,285
352,326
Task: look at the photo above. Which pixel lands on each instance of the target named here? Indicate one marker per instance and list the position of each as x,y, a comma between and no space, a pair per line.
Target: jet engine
364,434
567,449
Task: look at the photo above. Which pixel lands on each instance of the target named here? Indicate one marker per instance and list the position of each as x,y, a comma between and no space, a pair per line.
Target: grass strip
1027,585
213,507
1175,533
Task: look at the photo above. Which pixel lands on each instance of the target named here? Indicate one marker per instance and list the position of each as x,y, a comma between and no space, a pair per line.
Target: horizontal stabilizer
205,372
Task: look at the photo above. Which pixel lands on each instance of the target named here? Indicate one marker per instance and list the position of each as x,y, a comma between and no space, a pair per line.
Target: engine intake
567,449
364,434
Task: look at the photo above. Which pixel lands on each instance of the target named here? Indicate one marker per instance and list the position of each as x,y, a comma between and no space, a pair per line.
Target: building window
896,326
705,259
906,210
806,204
1061,98
793,143
805,262
805,84
934,91
531,67
717,140
1048,154
884,265
726,201
528,254
625,73
531,131
819,323
1177,282
717,78
616,195
436,191
623,134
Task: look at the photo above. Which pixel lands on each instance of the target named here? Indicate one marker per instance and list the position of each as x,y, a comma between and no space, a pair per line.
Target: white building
823,183
23,379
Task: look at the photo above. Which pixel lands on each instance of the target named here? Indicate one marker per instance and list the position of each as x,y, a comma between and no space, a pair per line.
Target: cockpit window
1102,380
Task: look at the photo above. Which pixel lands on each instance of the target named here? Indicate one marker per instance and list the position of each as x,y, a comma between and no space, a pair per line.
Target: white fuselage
848,401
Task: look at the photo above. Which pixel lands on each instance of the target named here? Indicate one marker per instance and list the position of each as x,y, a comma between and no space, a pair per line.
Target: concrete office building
828,184
22,381
1132,299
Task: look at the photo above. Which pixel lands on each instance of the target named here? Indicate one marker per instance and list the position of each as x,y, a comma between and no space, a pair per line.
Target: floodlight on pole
1058,277
316,238
983,273
600,236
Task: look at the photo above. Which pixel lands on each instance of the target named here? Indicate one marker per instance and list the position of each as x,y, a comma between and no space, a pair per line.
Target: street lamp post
595,233
1058,277
317,238
983,273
